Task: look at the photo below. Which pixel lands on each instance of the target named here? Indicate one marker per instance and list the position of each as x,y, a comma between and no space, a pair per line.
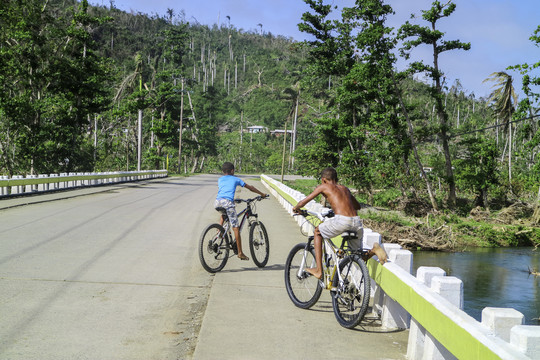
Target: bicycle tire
213,248
304,290
258,244
350,299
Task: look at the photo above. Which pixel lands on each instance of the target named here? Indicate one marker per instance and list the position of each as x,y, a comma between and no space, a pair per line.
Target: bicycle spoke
351,297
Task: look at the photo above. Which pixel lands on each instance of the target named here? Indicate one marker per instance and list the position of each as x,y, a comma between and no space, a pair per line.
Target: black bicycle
218,241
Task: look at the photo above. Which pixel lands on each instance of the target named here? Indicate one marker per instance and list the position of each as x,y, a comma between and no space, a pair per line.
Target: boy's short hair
329,173
227,167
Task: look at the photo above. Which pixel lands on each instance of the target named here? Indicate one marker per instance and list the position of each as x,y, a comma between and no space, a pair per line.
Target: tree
504,99
477,167
416,35
52,79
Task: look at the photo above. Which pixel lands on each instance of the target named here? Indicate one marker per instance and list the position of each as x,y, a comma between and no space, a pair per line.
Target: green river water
492,278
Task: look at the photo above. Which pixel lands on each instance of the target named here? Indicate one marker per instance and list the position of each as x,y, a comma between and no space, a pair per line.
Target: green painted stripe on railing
460,342
283,194
66,178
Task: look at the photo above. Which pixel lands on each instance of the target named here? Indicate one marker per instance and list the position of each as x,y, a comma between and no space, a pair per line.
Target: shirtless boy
345,208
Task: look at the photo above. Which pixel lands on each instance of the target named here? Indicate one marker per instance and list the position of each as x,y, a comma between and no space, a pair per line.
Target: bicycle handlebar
326,213
256,198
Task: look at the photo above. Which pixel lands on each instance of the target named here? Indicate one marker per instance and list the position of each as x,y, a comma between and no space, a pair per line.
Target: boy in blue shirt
225,200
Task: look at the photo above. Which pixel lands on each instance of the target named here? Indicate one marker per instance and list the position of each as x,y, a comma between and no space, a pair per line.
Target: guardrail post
63,184
45,186
417,333
4,190
56,184
393,315
501,321
526,338
378,294
450,288
18,188
31,187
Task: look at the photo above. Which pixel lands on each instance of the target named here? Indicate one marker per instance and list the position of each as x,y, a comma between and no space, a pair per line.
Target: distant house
256,129
280,132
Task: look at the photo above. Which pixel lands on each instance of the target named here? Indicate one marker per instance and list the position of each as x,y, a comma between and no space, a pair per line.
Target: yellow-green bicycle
344,273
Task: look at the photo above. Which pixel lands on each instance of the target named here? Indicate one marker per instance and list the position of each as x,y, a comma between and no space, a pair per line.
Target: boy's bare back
340,198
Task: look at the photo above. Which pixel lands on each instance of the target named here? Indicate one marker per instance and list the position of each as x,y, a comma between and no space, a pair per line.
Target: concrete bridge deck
113,273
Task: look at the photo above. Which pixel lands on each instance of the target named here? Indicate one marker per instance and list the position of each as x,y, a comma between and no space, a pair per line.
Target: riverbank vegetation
94,88
413,224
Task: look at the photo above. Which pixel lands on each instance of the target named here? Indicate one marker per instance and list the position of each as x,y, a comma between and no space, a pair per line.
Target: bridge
112,272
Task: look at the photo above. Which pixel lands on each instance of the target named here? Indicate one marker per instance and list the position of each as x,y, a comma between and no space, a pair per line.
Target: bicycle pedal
235,248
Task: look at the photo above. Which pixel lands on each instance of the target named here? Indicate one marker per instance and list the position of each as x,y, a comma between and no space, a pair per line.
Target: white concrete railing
430,305
19,185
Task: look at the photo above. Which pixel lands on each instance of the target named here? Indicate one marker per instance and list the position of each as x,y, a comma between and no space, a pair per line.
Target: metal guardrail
31,184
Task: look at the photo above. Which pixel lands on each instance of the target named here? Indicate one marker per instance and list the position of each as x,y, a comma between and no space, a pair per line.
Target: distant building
256,129
280,132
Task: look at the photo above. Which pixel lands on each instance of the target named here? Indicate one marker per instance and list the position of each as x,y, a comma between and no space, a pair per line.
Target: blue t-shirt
227,186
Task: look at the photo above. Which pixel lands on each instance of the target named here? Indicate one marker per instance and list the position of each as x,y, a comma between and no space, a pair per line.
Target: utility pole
284,150
181,124
139,140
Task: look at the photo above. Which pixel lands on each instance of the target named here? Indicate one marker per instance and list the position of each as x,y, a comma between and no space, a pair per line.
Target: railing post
526,338
45,186
394,315
378,294
56,184
4,190
501,321
451,289
32,187
18,188
417,333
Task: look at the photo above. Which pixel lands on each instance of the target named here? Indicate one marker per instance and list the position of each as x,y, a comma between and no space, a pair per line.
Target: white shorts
338,224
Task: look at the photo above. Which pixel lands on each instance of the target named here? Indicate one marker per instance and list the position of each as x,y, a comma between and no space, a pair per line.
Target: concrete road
113,273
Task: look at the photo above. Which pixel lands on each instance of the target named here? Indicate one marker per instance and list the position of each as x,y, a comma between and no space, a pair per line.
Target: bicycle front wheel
303,288
213,248
258,244
350,299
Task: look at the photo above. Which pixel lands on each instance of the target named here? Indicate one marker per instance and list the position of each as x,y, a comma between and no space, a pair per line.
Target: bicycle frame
246,213
331,255
344,273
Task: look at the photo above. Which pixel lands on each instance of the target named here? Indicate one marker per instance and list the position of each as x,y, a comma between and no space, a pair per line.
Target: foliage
74,79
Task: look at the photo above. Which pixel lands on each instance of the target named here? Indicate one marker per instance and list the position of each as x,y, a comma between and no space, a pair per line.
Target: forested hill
233,79
89,88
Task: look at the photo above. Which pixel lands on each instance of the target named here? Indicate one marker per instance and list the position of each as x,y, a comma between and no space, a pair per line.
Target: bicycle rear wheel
213,248
258,244
350,300
303,288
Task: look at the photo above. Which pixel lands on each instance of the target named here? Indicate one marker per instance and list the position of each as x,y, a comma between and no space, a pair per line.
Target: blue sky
498,30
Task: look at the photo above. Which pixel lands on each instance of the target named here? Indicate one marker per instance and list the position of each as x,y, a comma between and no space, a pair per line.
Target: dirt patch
517,213
186,333
413,207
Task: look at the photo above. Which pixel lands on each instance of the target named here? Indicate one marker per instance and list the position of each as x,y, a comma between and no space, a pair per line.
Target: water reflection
492,278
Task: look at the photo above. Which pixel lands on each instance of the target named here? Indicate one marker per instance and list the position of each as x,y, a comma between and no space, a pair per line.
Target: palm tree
504,100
